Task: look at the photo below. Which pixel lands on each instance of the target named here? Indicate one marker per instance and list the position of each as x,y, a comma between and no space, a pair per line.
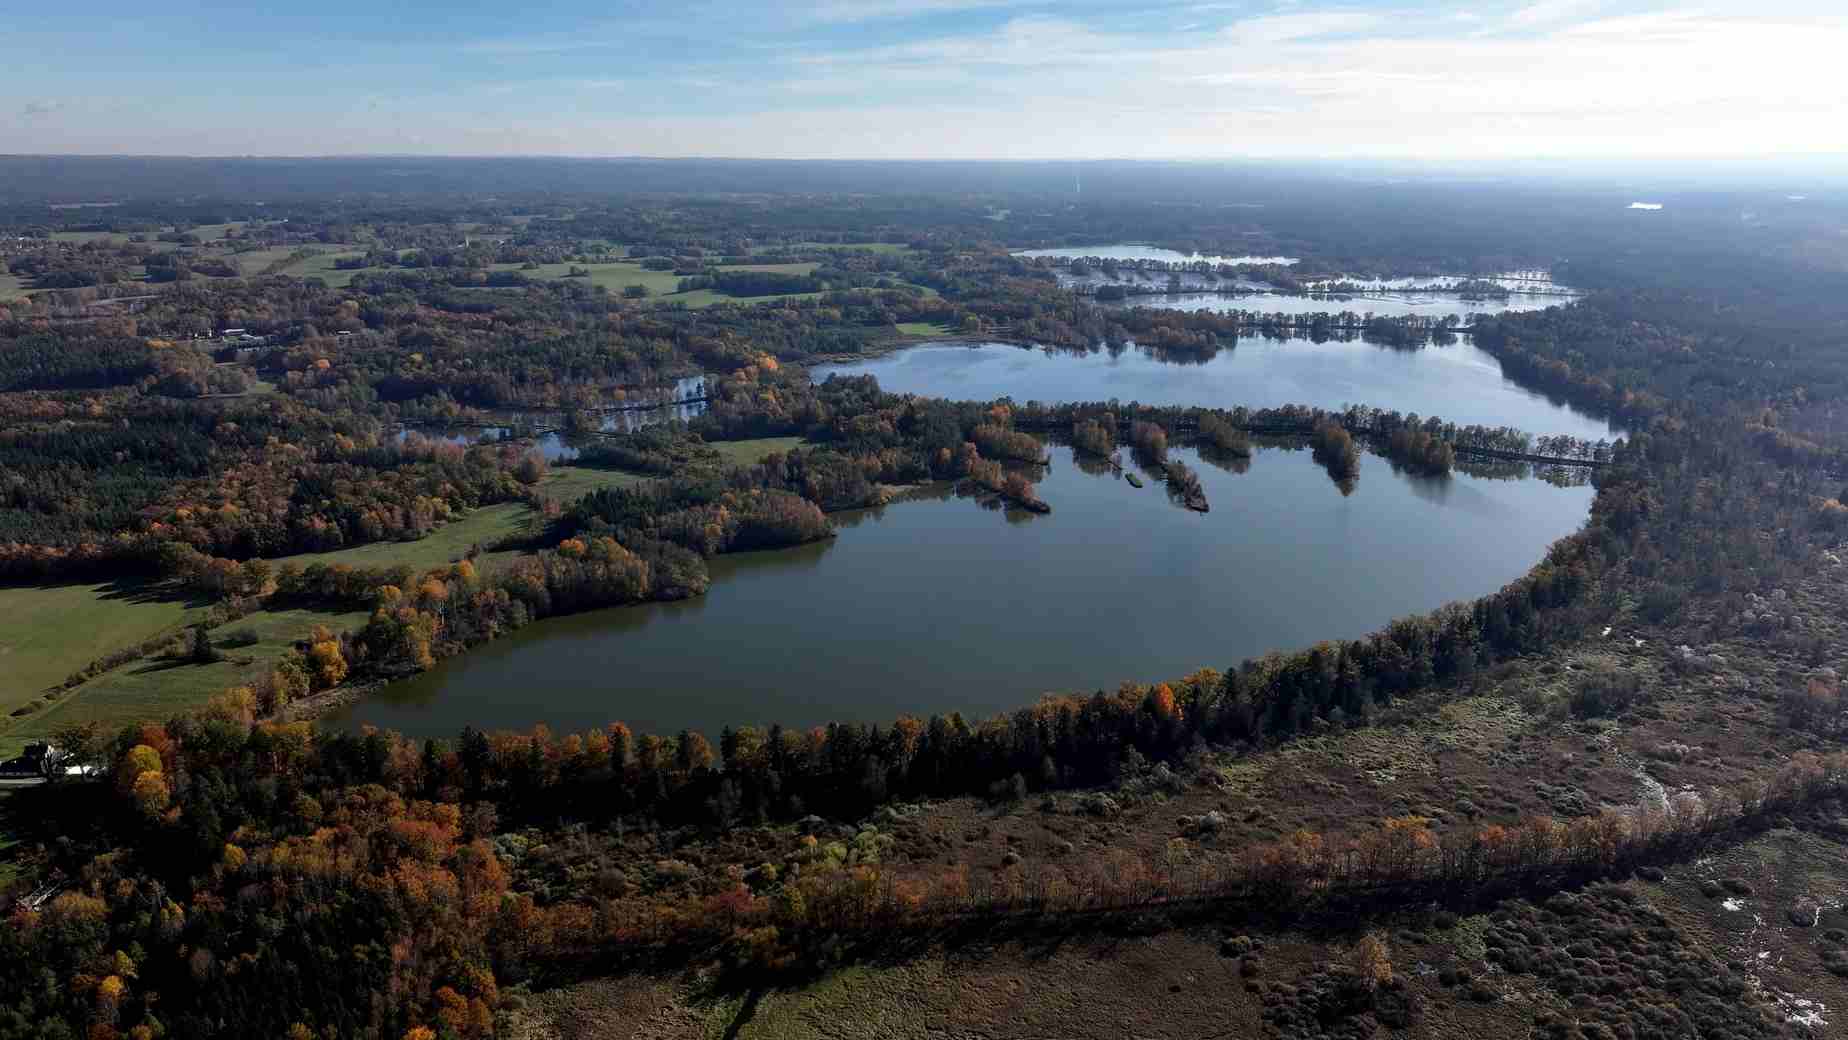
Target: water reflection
935,604
1460,382
561,436
1125,252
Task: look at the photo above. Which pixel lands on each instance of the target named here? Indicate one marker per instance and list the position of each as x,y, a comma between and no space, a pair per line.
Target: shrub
1605,692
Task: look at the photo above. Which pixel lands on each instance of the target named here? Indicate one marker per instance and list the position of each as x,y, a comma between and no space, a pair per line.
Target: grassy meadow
885,248
158,688
661,285
12,286
56,630
923,328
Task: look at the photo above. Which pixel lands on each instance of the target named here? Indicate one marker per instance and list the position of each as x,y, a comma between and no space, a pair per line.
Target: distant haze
929,79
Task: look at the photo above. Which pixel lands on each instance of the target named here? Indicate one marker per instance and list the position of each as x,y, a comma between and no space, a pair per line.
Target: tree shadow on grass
163,665
144,590
746,1012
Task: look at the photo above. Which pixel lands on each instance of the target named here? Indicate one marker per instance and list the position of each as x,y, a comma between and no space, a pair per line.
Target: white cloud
1549,12
1284,28
1336,82
1024,41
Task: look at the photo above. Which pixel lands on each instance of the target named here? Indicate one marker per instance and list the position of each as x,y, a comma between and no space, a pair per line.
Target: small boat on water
1134,481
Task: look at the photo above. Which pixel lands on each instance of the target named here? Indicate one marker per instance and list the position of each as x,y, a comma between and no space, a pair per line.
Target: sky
929,79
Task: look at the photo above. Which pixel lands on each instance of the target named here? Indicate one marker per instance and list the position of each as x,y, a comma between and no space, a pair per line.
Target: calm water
557,447
939,604
1380,304
1458,382
1522,281
1135,252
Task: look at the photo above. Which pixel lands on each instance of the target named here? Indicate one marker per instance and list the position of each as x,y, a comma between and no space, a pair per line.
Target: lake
1382,304
1458,382
1517,282
939,604
1137,252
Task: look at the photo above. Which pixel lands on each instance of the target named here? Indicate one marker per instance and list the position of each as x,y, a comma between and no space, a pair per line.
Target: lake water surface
1383,304
1458,382
940,604
1136,252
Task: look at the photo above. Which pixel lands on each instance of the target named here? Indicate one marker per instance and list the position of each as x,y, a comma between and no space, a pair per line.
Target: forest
235,869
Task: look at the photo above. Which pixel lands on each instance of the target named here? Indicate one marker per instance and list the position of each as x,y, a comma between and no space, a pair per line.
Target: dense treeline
106,488
309,858
753,283
703,515
1223,428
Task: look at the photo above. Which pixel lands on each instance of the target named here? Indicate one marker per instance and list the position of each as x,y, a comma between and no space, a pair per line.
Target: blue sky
929,79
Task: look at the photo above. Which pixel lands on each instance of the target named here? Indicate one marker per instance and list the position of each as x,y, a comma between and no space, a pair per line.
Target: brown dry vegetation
1651,956
1749,939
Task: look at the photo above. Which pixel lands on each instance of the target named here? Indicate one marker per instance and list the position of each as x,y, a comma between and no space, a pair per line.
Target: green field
616,276
256,261
890,248
446,544
114,238
11,286
159,688
210,232
922,328
82,237
748,453
661,285
567,484
321,266
53,631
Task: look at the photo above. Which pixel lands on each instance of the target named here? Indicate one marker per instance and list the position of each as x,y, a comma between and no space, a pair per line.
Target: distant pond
1380,303
939,603
1458,382
1139,252
685,400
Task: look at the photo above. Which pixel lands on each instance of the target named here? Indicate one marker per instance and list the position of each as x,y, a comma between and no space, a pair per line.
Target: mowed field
321,265
447,544
923,328
484,526
159,688
749,453
660,284
51,632
890,248
204,232
259,261
615,276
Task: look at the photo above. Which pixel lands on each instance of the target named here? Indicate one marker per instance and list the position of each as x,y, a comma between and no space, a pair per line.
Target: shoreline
317,706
